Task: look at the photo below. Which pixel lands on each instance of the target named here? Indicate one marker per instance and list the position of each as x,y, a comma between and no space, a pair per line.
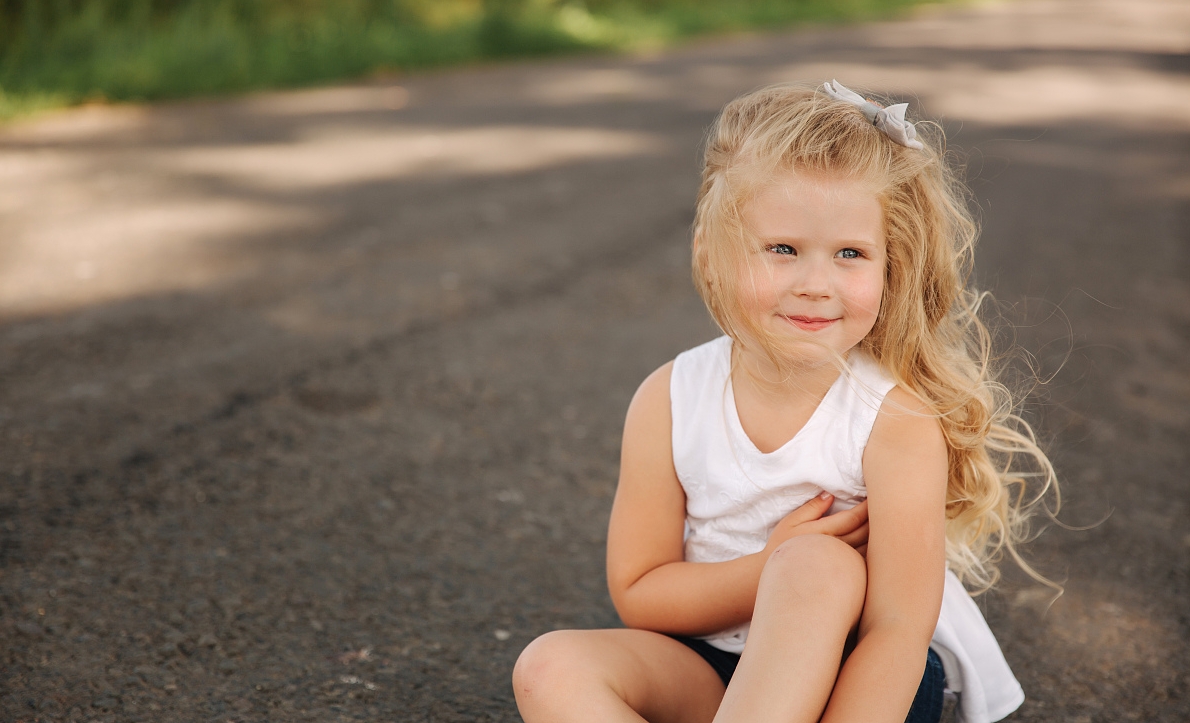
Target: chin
803,354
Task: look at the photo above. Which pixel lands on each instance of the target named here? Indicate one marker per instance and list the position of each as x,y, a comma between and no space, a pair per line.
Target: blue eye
783,249
850,253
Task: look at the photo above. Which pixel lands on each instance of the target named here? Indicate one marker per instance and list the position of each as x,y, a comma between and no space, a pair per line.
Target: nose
813,279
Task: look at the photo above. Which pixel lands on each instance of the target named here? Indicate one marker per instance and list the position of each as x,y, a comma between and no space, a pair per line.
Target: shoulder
905,419
686,376
695,368
654,390
717,351
906,430
690,369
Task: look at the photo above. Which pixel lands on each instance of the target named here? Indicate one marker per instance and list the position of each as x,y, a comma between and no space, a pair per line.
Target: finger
848,520
811,510
862,550
842,523
859,512
857,537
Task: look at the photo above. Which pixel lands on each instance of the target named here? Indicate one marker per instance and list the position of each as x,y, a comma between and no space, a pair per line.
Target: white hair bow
891,120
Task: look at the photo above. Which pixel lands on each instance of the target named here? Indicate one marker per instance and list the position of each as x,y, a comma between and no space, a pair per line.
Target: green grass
141,50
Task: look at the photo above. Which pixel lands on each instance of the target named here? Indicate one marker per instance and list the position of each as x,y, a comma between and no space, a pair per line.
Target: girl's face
813,281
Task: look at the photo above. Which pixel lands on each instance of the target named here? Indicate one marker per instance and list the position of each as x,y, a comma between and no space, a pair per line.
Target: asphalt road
310,402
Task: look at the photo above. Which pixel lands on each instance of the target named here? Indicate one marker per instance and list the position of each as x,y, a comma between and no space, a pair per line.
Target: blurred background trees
62,52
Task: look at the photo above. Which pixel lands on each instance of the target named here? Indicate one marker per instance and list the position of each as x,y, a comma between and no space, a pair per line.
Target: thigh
659,678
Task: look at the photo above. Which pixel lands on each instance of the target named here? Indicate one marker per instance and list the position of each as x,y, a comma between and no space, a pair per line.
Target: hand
850,526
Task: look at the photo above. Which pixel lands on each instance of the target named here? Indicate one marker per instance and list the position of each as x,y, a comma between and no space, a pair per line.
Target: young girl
833,248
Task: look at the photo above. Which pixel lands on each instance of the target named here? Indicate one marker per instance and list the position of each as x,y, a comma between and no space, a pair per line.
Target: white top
735,495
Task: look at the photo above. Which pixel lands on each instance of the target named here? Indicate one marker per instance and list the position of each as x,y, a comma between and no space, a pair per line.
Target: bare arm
906,468
650,584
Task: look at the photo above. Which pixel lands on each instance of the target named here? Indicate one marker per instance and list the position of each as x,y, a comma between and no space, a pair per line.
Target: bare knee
549,668
820,567
544,658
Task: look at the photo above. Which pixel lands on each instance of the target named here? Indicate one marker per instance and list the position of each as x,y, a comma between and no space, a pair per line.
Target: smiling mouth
810,323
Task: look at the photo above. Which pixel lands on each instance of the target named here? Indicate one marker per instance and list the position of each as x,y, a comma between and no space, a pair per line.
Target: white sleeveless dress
736,494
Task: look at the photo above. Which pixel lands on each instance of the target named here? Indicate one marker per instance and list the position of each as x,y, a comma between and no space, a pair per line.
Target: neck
782,382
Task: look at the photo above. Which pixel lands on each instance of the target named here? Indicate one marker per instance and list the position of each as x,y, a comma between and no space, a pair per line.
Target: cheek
864,294
758,286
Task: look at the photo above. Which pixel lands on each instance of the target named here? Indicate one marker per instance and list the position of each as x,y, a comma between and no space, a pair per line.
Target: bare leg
810,597
613,675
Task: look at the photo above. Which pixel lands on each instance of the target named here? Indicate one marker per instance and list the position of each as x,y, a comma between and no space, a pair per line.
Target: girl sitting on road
833,249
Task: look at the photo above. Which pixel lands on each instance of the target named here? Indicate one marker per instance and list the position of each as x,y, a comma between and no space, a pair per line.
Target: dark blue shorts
927,704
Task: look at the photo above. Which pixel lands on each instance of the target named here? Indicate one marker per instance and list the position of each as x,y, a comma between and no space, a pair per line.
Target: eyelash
773,248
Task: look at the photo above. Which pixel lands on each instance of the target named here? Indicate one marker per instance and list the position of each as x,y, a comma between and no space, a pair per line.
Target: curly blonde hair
928,335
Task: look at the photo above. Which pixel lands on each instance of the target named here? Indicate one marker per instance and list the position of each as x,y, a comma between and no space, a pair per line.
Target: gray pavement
310,401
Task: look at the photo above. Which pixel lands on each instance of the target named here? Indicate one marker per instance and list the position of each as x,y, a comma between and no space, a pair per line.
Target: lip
810,323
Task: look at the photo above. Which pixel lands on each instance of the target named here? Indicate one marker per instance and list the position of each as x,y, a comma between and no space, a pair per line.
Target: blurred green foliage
62,52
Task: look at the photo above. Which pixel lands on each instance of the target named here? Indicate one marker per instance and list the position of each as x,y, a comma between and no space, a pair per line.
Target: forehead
815,206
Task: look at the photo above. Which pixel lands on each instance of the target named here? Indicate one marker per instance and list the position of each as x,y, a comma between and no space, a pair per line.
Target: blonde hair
928,335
